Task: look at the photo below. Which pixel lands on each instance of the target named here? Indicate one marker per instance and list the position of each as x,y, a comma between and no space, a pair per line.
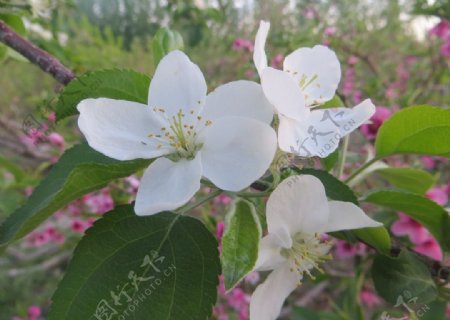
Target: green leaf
418,130
410,179
404,277
329,162
79,171
337,190
240,242
15,22
336,102
435,310
378,238
165,40
422,209
167,266
13,168
3,52
115,84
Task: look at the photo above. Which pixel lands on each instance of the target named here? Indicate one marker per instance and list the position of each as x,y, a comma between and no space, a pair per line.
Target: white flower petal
167,185
321,133
259,54
348,216
298,204
237,151
290,133
282,91
238,98
119,129
268,298
177,84
318,135
269,256
321,69
347,120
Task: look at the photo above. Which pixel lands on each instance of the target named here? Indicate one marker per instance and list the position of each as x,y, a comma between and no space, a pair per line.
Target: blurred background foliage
385,44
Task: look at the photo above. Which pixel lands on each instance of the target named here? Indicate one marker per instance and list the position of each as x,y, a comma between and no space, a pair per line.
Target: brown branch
37,56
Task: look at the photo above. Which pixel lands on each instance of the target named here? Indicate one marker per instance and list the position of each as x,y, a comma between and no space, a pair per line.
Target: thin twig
37,56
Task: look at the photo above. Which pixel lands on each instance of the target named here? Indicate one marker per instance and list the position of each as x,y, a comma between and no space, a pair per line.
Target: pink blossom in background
99,202
370,130
249,74
345,250
37,239
309,13
133,184
352,60
236,300
349,79
51,117
28,191
277,61
440,30
402,72
357,96
220,313
428,162
34,312
219,229
430,248
243,44
56,140
329,31
445,48
44,236
369,298
79,226
33,137
405,226
222,199
424,243
411,59
438,195
252,278
391,93
74,208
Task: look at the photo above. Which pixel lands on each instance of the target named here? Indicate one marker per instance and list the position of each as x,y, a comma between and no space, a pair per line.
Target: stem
360,169
37,56
342,157
201,201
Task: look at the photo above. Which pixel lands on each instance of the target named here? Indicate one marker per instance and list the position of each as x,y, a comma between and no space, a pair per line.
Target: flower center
180,134
307,252
305,81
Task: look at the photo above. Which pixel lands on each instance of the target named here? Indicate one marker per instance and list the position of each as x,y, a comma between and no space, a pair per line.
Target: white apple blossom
42,8
224,136
298,214
310,78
